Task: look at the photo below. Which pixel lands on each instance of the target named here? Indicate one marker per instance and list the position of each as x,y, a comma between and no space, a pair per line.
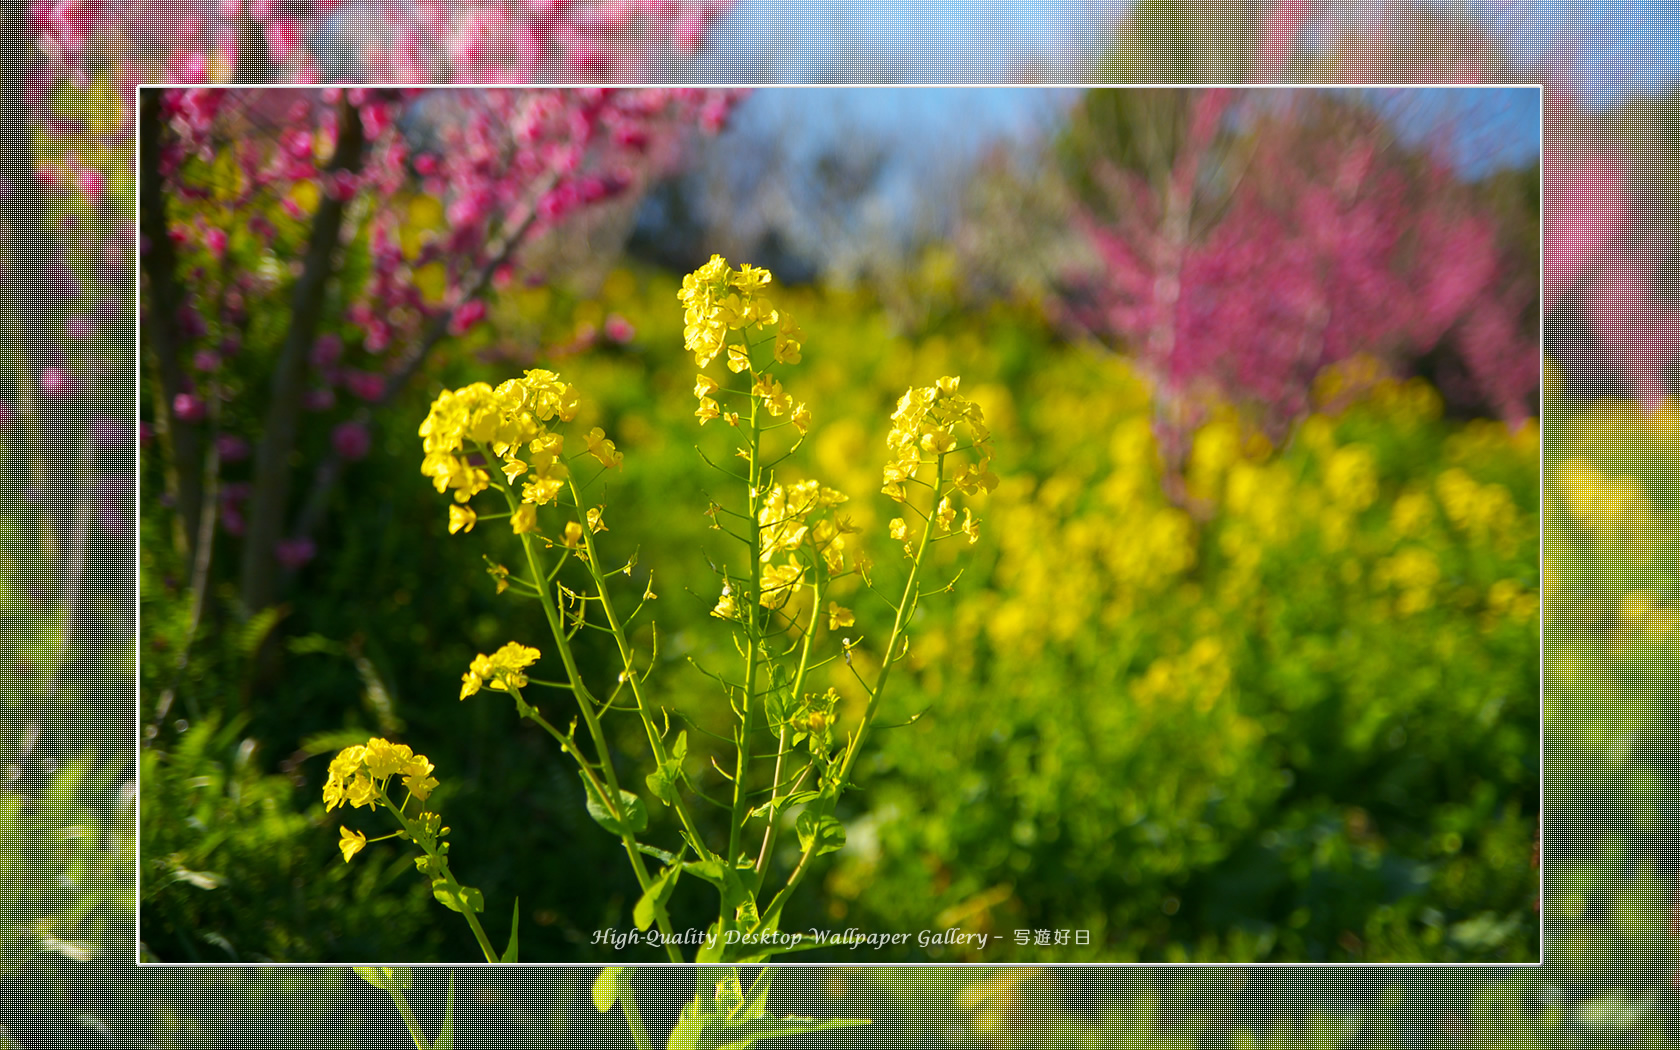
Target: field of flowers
1293,716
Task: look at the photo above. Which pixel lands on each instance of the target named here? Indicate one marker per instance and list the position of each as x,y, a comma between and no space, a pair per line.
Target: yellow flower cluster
793,517
510,422
778,583
720,304
924,427
717,301
784,522
360,772
504,671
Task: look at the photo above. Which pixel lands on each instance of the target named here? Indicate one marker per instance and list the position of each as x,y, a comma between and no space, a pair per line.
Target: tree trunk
183,442
272,476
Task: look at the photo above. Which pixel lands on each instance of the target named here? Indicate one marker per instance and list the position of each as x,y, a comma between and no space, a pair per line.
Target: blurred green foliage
1297,718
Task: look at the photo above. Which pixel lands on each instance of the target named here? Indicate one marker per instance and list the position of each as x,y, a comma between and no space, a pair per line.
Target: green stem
773,913
782,735
743,743
655,740
633,1014
441,864
900,626
415,1032
587,704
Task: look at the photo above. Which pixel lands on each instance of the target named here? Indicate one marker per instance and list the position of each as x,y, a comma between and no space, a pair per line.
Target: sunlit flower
777,584
602,449
946,515
503,670
417,779
725,607
573,538
350,842
541,491
385,758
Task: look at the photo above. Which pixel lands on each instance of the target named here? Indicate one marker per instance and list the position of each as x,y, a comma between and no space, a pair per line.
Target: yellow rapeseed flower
350,842
717,301
602,449
573,538
418,779
777,584
504,419
385,758
725,607
501,670
541,491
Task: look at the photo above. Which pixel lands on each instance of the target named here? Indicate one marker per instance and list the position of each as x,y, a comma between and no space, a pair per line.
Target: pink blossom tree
1243,241
501,166
65,180
424,41
1288,235
506,166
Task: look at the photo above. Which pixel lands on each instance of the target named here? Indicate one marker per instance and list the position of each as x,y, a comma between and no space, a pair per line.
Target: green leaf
255,630
783,802
463,900
827,833
655,896
696,1032
690,1027
711,950
387,978
710,870
630,807
446,1035
331,740
727,992
512,953
605,990
756,1001
662,782
664,856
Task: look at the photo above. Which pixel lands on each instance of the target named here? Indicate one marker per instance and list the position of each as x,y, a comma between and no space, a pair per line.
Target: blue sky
1622,49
